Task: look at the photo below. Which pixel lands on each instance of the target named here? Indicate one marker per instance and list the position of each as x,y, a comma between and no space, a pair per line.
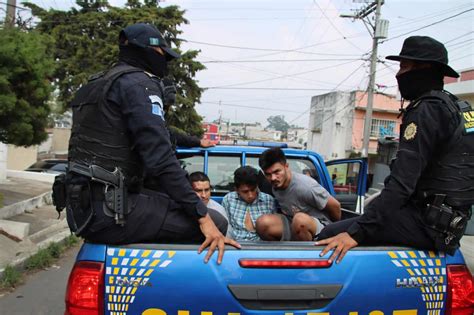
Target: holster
79,209
59,193
450,224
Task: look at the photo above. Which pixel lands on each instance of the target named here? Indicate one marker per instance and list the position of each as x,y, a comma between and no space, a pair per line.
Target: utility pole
10,17
379,31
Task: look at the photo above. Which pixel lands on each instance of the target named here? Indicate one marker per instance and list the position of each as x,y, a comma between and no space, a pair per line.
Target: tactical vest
99,135
451,170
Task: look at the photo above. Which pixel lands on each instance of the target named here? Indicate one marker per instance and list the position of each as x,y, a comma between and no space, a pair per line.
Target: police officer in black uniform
427,198
124,183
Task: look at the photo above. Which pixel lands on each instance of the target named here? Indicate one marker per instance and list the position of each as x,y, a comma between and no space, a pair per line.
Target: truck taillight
85,289
284,263
460,300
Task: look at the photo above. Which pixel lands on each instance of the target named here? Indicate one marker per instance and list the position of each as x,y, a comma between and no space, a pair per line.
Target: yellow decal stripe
155,262
393,255
146,253
122,252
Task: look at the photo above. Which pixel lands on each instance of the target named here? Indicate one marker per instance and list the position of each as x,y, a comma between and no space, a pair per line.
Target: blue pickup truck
269,278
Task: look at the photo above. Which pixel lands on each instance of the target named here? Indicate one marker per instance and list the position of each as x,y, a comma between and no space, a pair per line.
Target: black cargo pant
154,217
404,227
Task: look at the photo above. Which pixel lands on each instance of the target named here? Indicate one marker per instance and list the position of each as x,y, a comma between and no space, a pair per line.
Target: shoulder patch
410,131
468,120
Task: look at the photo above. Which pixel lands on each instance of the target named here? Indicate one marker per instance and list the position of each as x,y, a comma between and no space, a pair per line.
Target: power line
427,16
253,19
426,26
297,50
278,60
334,26
261,88
286,75
252,107
452,40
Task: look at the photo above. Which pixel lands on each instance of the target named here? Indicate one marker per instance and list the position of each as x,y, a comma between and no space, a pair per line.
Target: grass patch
42,259
1,200
11,277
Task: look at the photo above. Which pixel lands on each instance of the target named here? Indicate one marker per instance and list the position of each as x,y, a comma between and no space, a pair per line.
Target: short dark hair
246,175
198,177
270,157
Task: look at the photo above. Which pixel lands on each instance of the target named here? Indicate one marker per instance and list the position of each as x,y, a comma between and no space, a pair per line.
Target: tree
86,42
278,123
26,66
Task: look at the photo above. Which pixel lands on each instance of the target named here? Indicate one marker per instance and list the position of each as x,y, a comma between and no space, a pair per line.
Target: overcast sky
241,44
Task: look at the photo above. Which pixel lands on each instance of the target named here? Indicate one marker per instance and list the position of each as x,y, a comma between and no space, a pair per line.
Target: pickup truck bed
265,278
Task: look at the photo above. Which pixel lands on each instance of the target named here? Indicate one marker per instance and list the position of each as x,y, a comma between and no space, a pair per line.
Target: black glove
169,91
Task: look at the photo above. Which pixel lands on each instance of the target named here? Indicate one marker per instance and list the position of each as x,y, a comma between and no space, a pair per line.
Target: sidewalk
28,220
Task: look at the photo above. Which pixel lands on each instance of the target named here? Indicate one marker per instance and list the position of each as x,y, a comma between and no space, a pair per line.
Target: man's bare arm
333,208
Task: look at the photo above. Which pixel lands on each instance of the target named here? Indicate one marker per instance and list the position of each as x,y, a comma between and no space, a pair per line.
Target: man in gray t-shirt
306,206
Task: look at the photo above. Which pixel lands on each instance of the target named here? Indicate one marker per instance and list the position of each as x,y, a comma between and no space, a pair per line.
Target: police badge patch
410,131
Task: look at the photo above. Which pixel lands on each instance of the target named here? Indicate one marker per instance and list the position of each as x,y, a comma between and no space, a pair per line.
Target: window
220,170
192,163
344,177
381,128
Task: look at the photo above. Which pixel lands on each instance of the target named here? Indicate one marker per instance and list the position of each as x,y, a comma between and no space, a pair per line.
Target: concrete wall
3,161
19,158
61,140
330,125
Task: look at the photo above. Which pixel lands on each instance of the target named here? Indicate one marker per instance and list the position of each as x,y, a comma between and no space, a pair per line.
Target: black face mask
414,83
145,58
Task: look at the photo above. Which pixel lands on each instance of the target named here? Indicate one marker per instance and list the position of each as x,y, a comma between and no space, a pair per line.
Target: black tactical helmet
146,35
426,49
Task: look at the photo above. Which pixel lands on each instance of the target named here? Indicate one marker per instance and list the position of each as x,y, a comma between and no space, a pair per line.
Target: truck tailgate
173,280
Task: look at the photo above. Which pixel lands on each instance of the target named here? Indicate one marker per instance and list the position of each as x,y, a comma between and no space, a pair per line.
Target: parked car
54,166
267,278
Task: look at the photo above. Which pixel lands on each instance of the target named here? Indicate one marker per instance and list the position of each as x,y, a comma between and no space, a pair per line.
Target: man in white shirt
202,186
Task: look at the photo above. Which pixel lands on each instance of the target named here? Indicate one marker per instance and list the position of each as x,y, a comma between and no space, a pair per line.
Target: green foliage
55,249
1,200
11,277
26,67
278,123
70,241
40,260
86,42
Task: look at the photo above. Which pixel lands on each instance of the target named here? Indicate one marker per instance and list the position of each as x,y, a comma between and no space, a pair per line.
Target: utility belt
449,222
94,184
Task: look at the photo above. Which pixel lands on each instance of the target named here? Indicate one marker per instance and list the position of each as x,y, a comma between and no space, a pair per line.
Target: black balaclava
145,58
414,83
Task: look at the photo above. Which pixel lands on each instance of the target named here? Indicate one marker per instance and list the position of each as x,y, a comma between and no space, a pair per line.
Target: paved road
43,292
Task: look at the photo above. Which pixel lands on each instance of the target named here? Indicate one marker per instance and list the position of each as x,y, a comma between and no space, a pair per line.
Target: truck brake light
460,300
284,263
85,289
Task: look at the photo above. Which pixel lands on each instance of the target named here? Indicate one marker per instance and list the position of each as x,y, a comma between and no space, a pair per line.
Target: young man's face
278,175
247,193
203,190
